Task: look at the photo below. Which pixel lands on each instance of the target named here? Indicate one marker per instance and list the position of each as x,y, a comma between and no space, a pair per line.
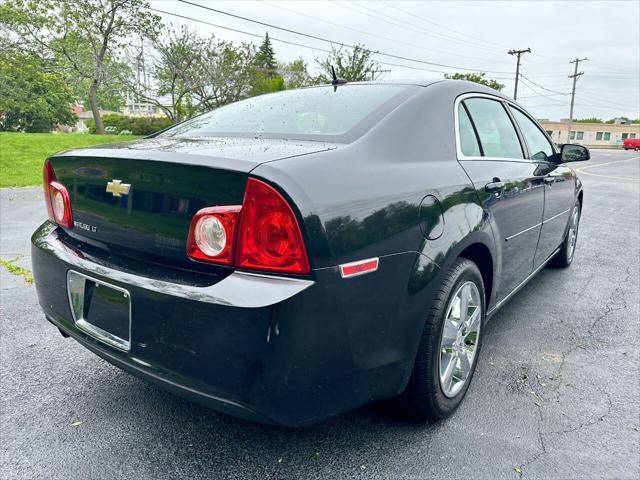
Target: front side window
632,135
539,146
468,140
318,111
498,137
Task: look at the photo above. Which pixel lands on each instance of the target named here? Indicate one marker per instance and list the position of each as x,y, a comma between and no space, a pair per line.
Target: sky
460,36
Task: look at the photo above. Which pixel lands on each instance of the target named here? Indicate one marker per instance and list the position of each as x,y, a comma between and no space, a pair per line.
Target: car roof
419,82
459,86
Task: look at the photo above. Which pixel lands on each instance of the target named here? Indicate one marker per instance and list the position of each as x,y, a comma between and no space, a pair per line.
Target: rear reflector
359,268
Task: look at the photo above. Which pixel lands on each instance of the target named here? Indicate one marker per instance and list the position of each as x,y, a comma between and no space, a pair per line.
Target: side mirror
574,153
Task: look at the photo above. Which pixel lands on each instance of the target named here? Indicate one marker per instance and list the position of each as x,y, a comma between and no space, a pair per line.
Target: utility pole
519,54
573,92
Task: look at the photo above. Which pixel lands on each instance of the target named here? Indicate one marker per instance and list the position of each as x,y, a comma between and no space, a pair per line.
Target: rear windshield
318,111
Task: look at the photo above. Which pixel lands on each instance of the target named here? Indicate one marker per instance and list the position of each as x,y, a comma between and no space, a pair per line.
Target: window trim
505,103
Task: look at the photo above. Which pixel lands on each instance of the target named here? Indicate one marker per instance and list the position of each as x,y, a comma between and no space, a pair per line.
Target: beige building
592,135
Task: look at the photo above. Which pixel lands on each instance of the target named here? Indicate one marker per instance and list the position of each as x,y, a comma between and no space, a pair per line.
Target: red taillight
212,234
48,176
56,198
268,235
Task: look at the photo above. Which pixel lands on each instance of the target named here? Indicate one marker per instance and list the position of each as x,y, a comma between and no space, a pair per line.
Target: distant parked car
299,254
125,132
111,130
631,144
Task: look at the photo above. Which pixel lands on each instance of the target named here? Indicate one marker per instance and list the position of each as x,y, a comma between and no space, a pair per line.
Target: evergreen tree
266,58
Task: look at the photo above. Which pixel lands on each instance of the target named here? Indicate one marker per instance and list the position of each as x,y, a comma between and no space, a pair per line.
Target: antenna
336,81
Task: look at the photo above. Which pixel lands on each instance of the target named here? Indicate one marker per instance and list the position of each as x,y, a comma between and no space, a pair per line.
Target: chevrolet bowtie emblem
117,188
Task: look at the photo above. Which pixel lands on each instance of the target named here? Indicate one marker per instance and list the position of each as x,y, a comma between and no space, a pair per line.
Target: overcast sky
464,35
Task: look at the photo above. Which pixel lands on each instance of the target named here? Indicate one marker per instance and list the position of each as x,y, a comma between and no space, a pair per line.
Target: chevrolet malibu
296,255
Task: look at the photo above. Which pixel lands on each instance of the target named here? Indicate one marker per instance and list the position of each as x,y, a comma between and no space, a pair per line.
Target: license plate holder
100,309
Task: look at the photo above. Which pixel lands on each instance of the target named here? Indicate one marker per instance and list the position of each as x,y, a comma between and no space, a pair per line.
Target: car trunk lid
141,196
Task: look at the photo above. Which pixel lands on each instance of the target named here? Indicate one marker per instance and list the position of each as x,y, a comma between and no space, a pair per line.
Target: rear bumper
275,350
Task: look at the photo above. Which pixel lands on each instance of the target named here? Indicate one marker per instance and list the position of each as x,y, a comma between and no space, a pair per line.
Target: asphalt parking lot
556,393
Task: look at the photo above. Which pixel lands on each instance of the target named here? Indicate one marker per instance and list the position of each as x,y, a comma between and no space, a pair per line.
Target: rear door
559,185
509,185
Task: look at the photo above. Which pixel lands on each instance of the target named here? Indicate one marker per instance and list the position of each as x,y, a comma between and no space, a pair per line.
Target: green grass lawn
22,154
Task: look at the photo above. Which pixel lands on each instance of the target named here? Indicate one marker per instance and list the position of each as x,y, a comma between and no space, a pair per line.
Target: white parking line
582,170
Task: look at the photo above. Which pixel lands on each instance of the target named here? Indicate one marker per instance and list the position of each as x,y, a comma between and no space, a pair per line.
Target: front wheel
564,257
449,346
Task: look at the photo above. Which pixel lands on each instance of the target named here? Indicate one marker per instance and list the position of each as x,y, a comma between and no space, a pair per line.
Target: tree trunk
93,103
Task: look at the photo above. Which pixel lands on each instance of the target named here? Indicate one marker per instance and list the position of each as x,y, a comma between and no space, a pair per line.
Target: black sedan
295,255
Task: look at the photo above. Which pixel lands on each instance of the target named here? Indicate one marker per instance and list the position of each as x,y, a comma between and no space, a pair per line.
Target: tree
229,74
265,59
265,75
353,65
295,74
82,35
589,120
32,99
477,78
177,70
623,119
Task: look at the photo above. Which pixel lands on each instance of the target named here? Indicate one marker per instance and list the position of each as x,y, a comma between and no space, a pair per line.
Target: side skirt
501,303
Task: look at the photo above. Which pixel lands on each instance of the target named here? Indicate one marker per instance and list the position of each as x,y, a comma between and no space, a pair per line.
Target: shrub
136,125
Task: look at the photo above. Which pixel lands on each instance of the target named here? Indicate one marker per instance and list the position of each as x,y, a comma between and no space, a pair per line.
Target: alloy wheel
460,336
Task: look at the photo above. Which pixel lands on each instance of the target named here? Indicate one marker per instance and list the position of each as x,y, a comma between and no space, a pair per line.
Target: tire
565,255
425,397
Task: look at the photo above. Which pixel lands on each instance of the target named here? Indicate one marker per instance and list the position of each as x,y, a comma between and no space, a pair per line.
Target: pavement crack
614,303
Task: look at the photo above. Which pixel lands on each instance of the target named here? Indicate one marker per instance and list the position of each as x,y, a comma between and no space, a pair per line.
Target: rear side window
468,140
496,132
315,111
539,146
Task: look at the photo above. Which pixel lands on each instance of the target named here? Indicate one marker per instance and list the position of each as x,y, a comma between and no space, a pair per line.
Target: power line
331,42
381,37
543,88
444,27
288,42
386,18
238,30
538,93
518,53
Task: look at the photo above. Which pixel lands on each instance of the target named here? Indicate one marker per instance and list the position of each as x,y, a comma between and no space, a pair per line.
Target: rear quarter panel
363,200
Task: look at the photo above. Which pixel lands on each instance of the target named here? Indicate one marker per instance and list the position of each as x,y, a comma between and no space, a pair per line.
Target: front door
508,185
559,188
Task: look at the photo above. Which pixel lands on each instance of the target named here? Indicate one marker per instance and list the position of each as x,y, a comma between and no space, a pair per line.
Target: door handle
495,186
549,180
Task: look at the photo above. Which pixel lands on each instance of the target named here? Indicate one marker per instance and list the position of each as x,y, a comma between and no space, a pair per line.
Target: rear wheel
564,257
449,346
